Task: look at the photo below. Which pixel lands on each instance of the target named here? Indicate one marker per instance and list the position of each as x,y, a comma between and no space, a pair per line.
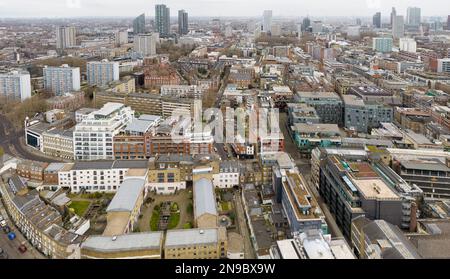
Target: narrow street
304,166
11,247
249,252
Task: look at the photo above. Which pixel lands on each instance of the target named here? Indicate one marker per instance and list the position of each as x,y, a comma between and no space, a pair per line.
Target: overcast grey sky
76,8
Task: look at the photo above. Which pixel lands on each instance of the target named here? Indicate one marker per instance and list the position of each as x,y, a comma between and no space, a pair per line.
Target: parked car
6,229
11,236
22,248
3,223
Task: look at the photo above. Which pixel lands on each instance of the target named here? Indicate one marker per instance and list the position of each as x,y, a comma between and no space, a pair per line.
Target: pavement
11,247
249,252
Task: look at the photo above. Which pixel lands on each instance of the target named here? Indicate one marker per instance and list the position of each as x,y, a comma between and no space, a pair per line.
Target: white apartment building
60,80
100,73
93,137
408,44
82,114
100,176
228,176
145,44
15,85
444,65
121,37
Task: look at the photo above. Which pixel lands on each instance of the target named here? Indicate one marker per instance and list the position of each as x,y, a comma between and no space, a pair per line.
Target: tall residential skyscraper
299,30
15,85
393,15
267,21
162,20
60,80
413,16
398,27
145,44
139,25
377,20
100,73
306,23
66,36
121,37
183,24
448,23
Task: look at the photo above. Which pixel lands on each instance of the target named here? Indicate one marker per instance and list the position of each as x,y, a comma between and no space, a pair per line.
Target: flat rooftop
123,243
353,100
108,108
191,237
320,95
287,249
369,91
316,128
375,189
298,196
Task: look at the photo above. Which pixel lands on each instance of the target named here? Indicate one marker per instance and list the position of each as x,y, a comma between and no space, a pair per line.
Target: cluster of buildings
370,114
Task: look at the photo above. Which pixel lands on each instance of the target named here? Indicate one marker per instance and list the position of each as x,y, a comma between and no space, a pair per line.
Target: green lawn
80,207
154,220
225,206
174,219
188,225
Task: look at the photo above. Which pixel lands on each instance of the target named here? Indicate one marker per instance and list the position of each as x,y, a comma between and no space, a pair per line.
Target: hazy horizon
216,8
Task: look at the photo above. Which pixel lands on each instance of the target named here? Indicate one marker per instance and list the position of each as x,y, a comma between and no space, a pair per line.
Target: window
161,177
170,177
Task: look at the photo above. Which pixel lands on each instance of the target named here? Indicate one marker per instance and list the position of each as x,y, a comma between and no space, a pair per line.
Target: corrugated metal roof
127,242
205,201
127,195
139,126
175,238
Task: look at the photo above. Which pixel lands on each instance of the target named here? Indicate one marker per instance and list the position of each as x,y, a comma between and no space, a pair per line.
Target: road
304,165
11,247
220,146
249,252
11,142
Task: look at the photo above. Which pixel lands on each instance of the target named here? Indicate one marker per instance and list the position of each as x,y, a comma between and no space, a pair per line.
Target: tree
202,71
190,208
209,98
18,111
2,152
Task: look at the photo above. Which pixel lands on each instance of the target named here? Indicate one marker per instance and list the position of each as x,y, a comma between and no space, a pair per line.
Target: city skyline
214,8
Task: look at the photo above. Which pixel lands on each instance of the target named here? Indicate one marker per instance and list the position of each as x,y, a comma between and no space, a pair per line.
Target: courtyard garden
79,207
